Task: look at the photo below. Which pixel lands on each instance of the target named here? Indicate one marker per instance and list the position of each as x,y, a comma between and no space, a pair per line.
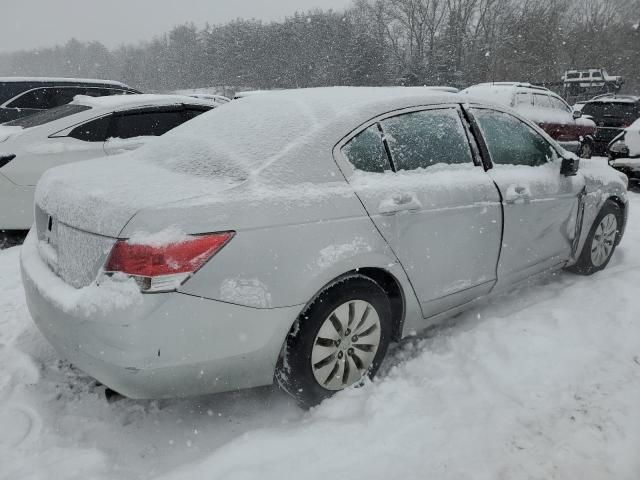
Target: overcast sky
28,24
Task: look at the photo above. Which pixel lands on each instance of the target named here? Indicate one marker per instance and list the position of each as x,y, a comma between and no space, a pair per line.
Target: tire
586,149
601,241
347,328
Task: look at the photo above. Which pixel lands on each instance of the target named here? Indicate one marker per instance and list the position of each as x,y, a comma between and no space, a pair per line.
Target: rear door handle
399,202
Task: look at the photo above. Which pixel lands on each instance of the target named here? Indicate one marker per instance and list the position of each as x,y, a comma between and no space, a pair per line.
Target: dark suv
20,97
612,114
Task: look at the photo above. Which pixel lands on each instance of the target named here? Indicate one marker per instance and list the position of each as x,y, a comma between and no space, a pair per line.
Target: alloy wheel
346,345
604,240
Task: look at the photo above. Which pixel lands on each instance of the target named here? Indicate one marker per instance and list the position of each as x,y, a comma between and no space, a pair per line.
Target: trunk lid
82,208
100,196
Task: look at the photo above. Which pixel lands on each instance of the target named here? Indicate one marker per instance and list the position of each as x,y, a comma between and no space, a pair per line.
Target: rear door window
523,99
542,101
145,124
366,151
426,138
92,131
510,141
558,104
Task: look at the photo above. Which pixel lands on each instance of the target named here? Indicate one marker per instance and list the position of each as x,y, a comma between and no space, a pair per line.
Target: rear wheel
601,242
340,339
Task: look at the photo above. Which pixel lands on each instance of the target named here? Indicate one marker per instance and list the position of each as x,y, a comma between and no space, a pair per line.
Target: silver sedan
291,236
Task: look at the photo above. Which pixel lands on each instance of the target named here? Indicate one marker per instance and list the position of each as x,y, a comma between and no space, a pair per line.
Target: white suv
543,107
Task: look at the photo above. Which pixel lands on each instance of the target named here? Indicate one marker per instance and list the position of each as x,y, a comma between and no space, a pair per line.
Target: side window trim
8,103
67,130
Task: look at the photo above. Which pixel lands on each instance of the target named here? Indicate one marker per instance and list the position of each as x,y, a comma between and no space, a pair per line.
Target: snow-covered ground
541,383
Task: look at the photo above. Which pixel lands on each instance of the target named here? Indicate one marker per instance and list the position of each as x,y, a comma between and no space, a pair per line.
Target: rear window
601,110
47,116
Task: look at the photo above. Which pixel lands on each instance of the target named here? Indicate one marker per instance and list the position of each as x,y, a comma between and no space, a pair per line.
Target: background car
612,114
220,99
20,97
543,107
86,128
624,151
293,235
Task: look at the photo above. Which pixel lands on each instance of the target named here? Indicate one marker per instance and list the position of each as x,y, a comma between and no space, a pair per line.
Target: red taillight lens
174,259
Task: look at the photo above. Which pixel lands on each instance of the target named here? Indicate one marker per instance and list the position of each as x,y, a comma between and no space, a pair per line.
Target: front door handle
399,202
518,194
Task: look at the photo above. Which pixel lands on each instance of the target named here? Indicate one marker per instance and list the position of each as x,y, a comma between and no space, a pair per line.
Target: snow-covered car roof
275,133
116,102
61,79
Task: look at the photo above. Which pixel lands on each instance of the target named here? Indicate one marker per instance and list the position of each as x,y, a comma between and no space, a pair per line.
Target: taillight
163,268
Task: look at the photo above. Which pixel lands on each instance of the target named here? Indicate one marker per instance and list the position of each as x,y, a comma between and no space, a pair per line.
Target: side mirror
618,149
577,114
569,166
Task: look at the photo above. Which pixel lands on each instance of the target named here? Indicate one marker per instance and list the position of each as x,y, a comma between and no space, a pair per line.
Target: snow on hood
547,115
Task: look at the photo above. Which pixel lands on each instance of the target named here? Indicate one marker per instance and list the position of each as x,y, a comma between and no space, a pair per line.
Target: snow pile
112,293
168,236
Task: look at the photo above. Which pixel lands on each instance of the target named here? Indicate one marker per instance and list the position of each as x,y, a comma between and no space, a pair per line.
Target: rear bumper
16,205
158,346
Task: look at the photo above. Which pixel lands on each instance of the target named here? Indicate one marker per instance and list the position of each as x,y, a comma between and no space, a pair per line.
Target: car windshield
47,116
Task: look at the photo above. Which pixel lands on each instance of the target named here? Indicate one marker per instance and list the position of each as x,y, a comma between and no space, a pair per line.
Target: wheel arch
387,281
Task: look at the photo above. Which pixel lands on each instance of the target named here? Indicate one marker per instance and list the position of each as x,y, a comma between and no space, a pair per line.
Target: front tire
340,338
601,241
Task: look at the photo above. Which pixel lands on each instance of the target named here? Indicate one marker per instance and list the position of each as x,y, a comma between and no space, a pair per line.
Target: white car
84,129
545,108
292,235
624,151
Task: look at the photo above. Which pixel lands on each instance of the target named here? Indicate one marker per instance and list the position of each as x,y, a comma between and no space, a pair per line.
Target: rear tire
601,241
340,338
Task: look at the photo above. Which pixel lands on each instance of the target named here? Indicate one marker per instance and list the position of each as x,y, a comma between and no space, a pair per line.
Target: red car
548,110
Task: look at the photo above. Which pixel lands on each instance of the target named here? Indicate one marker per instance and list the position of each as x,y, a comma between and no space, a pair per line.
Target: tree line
373,42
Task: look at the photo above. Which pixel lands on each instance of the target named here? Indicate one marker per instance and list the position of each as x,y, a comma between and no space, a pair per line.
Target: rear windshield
47,116
601,110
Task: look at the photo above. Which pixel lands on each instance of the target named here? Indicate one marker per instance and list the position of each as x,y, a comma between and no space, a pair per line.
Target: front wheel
601,241
340,339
